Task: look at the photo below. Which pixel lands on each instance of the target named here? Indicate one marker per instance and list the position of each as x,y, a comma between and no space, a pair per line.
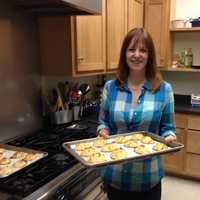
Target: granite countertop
183,105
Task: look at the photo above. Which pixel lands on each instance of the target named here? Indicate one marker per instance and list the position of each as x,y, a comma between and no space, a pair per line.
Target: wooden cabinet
73,45
187,161
85,45
193,146
116,29
193,165
122,15
90,43
135,13
174,162
157,24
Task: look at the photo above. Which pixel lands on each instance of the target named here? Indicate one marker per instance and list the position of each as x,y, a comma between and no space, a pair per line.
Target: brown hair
138,36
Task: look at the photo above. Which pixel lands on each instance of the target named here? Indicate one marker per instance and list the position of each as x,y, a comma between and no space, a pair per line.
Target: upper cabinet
90,43
72,45
116,29
157,24
135,13
85,45
122,15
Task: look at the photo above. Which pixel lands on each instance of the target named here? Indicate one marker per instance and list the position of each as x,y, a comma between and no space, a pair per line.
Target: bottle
188,57
182,61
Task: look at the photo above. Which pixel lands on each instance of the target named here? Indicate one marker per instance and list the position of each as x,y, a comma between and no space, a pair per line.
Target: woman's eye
132,50
143,50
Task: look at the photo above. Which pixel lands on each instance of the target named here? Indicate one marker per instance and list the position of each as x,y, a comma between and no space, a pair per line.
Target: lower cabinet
193,152
192,166
174,162
187,161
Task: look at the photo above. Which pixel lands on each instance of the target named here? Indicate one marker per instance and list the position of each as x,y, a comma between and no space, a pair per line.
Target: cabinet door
156,22
193,165
175,162
116,30
90,54
193,144
135,13
55,45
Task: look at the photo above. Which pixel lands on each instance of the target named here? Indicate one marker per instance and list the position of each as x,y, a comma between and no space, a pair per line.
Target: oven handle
73,180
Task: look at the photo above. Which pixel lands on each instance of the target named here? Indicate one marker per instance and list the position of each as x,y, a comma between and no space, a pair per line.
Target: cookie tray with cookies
119,148
13,159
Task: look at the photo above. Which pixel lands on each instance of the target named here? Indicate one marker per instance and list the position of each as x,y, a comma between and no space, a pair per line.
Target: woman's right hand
104,133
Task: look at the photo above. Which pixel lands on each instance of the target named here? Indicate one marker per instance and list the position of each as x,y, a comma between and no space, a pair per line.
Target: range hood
60,7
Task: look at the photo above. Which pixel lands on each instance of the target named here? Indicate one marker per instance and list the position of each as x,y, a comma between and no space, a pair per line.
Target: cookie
119,154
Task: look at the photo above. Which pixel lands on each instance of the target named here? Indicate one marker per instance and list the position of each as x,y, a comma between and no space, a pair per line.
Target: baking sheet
70,147
17,161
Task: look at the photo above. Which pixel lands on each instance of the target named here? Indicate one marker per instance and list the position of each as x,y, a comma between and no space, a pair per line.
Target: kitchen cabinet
116,30
90,43
122,15
187,161
157,24
174,163
193,146
73,45
135,13
85,45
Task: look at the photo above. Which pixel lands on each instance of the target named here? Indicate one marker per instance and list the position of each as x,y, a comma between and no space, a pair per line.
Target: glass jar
188,57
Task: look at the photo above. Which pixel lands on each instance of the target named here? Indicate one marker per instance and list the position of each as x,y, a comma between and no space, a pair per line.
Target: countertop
182,105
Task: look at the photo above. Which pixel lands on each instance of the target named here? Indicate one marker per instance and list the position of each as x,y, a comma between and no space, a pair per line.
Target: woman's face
136,56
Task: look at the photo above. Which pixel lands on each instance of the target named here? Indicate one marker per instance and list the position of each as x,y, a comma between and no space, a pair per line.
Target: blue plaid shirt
154,113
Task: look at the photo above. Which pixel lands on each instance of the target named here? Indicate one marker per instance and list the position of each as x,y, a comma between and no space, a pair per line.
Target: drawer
194,122
181,120
193,165
193,141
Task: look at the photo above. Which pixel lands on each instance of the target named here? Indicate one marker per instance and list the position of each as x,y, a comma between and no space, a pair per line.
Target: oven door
79,186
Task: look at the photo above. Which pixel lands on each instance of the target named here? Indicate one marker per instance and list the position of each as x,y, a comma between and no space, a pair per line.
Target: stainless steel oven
80,186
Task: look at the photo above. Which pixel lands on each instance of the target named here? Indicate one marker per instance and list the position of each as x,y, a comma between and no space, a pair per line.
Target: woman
138,100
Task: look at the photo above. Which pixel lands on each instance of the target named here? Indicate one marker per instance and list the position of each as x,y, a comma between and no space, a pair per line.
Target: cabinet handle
80,59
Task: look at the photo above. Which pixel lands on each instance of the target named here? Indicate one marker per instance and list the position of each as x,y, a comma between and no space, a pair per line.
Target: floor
174,188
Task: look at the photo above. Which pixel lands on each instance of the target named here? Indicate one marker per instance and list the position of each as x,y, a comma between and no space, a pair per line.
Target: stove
59,168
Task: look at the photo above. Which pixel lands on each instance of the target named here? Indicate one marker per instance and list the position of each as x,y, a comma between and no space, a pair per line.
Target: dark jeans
152,194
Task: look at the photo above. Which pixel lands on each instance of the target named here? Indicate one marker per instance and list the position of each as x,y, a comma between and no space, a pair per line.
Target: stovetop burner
39,173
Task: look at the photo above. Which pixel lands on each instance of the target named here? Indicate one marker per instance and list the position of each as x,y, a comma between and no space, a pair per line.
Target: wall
20,73
186,9
183,82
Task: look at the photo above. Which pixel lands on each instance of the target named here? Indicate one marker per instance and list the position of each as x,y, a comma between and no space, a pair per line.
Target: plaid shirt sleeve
167,123
104,111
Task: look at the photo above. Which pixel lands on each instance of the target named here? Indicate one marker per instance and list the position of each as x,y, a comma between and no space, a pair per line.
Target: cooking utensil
84,89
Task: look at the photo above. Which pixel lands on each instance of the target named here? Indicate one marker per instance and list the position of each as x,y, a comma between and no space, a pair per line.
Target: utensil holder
62,117
76,112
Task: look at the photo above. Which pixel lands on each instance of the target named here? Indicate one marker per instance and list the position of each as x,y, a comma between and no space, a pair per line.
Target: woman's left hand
170,138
